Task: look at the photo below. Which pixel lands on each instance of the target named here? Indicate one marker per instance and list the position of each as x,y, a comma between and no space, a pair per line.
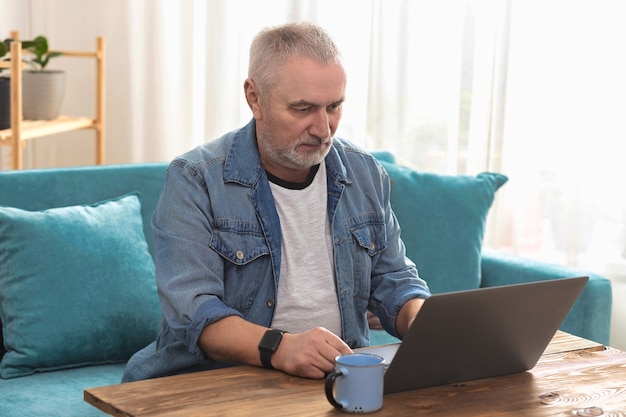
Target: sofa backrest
41,189
442,217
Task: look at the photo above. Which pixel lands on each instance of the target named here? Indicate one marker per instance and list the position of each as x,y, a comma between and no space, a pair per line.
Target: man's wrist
269,345
407,315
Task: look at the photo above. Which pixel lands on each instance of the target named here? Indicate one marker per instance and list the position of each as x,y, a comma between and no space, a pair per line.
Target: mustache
313,140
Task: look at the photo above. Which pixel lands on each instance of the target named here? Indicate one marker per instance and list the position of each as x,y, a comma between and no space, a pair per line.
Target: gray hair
273,46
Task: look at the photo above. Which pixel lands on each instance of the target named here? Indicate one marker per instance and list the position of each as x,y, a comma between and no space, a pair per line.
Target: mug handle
330,382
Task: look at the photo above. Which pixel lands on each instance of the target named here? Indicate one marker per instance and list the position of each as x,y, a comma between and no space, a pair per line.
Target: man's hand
310,354
373,322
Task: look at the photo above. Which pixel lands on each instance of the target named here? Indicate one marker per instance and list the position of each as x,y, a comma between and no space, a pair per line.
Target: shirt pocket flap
370,236
238,248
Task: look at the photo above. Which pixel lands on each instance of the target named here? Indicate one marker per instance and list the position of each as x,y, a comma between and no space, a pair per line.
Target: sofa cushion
56,394
77,286
443,222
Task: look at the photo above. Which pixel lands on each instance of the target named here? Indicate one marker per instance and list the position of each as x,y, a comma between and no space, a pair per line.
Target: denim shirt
218,248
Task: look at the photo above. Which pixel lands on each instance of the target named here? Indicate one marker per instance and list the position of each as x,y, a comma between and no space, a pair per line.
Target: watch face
271,340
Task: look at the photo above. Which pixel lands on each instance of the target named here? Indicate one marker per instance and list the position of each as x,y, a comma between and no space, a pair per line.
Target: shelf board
36,128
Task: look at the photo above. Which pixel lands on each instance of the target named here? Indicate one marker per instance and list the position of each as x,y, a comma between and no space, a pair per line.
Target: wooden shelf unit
22,130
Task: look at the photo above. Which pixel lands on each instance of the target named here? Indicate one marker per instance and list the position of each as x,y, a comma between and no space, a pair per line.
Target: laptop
487,332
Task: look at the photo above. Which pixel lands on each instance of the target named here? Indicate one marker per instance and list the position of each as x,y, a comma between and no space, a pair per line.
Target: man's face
297,122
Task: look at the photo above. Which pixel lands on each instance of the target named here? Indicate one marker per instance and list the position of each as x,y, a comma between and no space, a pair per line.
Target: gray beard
291,158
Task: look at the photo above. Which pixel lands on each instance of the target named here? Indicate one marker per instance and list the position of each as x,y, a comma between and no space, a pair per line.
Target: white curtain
530,88
564,132
175,70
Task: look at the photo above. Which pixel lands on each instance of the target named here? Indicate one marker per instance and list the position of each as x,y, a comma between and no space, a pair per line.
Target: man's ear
253,98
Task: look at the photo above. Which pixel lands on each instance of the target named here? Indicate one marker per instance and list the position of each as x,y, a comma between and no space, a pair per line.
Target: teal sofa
71,322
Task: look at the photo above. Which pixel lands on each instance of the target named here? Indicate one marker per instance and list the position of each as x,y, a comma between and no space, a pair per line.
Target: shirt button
239,255
372,246
270,303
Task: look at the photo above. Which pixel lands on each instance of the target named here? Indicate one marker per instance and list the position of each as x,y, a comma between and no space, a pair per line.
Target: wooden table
574,377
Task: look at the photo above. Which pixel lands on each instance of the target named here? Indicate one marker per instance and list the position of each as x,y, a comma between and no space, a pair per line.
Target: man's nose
320,126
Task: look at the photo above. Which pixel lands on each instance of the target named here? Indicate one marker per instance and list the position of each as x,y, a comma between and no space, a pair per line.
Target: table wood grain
574,377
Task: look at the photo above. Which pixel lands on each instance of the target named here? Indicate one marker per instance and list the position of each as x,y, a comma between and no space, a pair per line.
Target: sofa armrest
590,317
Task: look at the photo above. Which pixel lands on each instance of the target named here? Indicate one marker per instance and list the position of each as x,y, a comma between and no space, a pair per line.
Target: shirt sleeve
395,278
190,287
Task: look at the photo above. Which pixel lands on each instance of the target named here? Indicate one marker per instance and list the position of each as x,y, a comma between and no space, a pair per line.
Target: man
273,241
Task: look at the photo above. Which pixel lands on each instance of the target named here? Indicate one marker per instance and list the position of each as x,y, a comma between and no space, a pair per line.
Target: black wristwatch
269,345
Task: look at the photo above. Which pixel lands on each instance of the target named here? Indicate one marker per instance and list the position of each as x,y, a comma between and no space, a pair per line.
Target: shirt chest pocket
369,233
239,245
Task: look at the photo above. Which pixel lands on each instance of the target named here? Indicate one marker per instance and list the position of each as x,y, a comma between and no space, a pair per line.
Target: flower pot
42,94
5,103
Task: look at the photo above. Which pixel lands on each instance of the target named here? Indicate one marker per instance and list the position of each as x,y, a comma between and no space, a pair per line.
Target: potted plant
42,89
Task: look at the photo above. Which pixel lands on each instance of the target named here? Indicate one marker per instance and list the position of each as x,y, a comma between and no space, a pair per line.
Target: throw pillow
443,223
77,286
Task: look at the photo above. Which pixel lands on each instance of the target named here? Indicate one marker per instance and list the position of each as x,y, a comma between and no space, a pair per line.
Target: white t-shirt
307,294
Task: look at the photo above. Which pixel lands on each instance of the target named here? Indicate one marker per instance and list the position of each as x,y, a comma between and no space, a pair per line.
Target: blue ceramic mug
356,384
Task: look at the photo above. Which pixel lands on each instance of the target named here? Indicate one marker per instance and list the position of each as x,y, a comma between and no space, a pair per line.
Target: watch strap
266,359
269,345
